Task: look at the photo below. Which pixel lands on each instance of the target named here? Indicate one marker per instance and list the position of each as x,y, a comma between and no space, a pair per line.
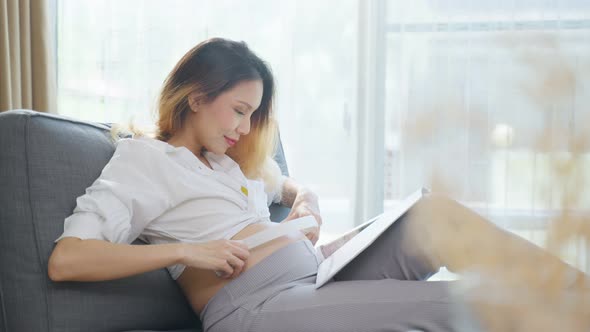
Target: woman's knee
437,202
434,223
433,210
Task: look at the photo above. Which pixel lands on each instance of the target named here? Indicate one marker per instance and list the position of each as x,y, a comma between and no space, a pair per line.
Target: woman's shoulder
138,151
141,145
137,157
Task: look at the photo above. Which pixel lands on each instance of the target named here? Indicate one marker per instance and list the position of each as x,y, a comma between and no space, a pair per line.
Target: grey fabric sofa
46,161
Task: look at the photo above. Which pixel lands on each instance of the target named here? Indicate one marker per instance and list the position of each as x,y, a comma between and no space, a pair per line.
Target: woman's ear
193,103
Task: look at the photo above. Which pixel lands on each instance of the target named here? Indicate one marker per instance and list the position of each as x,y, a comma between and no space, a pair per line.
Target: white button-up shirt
160,193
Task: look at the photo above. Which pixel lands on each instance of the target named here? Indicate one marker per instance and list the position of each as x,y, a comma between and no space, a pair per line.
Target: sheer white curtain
113,57
492,99
374,97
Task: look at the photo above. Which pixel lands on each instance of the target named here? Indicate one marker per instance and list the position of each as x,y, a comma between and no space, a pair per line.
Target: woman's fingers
234,259
313,235
240,250
319,219
232,268
237,265
224,269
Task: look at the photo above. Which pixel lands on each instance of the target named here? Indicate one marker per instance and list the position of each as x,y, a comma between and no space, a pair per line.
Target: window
114,55
490,97
373,96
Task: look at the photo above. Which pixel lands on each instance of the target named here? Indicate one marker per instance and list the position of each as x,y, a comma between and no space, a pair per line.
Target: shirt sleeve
273,181
275,194
122,201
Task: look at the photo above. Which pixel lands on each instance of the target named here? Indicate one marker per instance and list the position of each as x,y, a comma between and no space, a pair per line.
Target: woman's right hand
226,257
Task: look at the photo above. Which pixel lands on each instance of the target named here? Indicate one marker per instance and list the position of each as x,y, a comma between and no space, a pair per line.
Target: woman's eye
239,112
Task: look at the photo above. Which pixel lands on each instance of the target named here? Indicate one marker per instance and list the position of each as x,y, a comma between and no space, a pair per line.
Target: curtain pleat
27,63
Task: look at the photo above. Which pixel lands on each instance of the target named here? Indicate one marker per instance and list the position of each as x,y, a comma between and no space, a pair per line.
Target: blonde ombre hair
208,70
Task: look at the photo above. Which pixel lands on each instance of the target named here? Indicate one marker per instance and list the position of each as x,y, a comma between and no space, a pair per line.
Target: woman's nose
244,127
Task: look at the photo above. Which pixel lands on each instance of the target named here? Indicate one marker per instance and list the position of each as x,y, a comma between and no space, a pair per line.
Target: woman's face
218,125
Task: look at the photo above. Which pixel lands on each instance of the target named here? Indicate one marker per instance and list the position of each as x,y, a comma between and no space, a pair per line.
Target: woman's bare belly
200,285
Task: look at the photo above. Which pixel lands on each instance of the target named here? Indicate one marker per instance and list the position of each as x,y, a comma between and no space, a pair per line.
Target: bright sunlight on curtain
114,55
490,100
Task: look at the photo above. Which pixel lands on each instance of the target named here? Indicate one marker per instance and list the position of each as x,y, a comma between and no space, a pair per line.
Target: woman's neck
197,149
179,140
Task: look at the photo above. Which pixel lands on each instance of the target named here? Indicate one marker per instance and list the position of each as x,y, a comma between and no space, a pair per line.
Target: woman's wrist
305,193
292,192
289,192
180,253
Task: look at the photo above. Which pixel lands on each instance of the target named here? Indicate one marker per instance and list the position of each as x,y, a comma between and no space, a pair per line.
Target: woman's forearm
74,259
289,192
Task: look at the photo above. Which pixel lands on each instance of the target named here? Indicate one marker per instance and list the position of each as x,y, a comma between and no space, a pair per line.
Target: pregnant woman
204,182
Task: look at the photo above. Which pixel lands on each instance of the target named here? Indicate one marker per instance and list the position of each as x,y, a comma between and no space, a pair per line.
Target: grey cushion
46,161
190,330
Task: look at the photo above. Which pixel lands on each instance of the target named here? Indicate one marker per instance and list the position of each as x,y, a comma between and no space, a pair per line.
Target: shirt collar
222,161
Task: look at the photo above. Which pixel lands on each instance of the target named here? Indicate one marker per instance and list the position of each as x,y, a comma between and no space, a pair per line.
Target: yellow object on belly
244,190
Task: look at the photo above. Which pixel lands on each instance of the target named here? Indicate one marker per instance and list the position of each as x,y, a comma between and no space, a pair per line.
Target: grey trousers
380,290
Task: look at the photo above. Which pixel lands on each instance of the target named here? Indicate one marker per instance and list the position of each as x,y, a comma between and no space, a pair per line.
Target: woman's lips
230,141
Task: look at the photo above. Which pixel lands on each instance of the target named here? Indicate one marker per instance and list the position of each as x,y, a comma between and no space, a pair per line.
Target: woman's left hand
306,204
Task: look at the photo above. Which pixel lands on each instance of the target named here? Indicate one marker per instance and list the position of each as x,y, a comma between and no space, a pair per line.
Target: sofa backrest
46,162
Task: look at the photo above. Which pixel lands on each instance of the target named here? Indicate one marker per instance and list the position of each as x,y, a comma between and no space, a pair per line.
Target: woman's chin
219,151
